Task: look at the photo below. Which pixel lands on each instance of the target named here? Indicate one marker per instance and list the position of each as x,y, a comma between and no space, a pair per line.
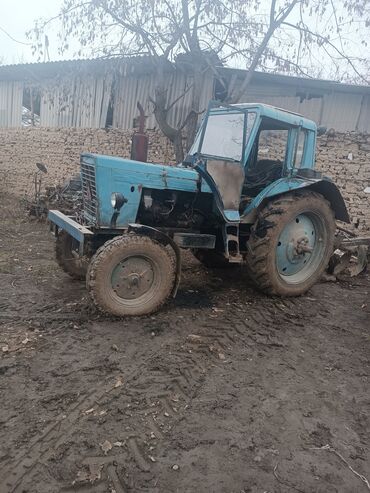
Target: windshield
223,136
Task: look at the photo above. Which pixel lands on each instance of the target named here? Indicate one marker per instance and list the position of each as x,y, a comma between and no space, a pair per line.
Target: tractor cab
242,149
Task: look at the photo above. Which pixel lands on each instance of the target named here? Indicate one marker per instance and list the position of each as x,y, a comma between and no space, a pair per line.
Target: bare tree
200,35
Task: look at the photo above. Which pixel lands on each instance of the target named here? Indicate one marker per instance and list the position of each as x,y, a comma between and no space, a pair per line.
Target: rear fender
285,185
331,192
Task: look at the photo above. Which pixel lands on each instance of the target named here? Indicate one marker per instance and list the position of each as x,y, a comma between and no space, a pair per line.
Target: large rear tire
130,275
291,243
72,265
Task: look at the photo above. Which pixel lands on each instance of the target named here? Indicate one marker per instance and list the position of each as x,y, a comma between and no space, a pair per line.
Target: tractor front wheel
64,248
130,275
291,243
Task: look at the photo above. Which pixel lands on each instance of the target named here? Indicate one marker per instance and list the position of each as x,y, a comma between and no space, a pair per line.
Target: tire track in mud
217,339
204,350
173,375
41,447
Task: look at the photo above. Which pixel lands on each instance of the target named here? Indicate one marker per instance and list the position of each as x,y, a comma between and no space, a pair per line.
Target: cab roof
278,114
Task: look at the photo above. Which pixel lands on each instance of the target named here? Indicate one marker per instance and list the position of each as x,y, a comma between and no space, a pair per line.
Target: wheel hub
302,246
132,277
297,245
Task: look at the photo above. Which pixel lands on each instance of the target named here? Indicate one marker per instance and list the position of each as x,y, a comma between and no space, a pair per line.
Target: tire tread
260,248
103,254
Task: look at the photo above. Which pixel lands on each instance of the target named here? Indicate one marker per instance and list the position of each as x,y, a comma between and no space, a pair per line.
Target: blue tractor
247,192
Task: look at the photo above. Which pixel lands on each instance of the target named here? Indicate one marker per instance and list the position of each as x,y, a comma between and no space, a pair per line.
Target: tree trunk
191,126
178,148
160,113
175,135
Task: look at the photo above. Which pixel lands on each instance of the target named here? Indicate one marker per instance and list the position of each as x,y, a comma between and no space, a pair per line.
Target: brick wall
343,156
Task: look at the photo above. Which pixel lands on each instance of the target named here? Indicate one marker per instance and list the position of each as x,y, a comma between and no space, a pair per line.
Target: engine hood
120,175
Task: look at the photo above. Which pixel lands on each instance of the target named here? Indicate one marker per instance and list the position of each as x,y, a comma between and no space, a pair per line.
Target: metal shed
104,93
344,107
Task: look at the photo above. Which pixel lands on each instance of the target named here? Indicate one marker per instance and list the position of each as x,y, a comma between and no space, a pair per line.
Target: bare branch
327,41
272,12
189,116
13,39
182,95
131,27
274,24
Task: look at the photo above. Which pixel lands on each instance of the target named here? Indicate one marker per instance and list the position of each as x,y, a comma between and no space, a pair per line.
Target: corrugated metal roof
303,82
44,70
142,64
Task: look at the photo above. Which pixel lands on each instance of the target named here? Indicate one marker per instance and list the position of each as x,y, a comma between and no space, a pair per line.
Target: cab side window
298,158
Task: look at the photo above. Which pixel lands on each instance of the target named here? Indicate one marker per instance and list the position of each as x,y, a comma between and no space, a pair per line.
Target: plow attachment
351,255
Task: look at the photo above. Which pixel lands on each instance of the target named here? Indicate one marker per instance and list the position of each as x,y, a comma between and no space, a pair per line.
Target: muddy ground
224,390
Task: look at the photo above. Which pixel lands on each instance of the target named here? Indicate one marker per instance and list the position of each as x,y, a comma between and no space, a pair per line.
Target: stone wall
343,156
59,149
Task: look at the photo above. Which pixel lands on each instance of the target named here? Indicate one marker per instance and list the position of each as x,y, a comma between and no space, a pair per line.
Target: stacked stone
345,157
60,149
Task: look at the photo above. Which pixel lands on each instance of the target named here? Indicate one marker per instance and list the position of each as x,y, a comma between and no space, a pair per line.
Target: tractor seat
264,172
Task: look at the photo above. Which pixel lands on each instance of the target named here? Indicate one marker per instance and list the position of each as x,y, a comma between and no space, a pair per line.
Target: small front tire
72,265
130,275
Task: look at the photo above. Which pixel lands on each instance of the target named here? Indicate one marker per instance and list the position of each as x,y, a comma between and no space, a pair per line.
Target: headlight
117,200
113,199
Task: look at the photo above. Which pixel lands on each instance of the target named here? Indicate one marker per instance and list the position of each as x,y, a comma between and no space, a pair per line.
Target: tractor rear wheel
291,243
64,248
130,275
210,258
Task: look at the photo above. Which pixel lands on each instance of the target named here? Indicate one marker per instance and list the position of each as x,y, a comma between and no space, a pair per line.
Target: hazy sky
16,17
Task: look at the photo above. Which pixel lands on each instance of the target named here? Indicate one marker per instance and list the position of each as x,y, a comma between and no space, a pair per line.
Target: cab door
221,148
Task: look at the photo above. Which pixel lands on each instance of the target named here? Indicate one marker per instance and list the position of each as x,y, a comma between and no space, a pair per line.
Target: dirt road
224,390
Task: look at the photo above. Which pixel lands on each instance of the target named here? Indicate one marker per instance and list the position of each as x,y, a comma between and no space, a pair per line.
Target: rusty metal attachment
351,255
140,140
